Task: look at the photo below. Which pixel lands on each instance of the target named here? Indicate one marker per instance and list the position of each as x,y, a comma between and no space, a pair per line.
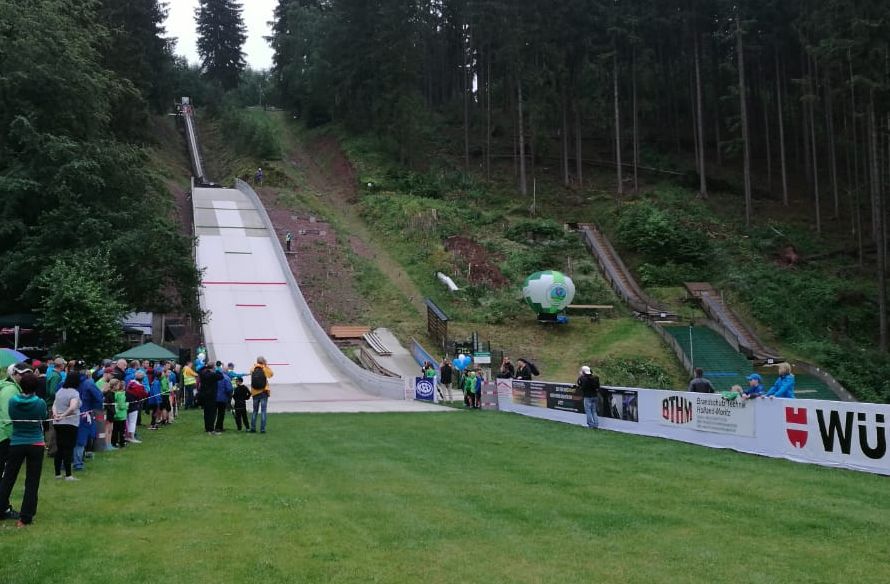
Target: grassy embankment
409,498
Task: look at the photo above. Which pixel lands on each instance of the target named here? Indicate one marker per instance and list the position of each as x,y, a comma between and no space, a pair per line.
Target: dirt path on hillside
332,177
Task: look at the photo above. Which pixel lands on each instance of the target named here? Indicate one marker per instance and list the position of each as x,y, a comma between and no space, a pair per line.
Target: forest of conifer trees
789,99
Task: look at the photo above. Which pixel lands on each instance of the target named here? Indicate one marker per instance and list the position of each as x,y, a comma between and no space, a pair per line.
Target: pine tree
221,35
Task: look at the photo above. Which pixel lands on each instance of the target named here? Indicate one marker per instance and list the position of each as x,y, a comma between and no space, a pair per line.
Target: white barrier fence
827,433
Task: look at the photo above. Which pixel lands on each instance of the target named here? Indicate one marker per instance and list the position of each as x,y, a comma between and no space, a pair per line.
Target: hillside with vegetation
745,147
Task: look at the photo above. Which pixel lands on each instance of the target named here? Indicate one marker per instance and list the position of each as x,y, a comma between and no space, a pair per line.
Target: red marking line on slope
278,364
250,306
260,340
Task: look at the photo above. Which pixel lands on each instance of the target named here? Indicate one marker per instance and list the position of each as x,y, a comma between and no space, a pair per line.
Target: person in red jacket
136,394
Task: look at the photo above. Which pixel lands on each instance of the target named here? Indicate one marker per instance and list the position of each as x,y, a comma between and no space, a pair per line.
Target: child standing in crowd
469,388
477,389
241,395
119,415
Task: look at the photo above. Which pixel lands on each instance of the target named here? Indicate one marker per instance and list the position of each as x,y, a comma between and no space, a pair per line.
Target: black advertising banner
619,404
530,393
566,398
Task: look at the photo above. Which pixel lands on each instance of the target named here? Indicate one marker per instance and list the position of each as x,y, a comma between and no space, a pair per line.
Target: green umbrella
9,357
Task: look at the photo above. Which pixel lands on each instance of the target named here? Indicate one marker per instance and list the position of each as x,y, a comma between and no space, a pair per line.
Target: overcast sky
181,24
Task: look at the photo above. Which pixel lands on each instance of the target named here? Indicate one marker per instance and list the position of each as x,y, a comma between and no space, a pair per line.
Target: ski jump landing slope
256,308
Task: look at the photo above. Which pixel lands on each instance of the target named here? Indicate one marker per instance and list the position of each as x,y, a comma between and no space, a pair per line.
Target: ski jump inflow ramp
255,308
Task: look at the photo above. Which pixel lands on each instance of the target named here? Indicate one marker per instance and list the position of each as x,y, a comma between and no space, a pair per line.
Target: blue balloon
458,364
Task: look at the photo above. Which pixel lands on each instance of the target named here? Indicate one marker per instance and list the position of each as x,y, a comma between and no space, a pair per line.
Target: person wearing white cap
589,384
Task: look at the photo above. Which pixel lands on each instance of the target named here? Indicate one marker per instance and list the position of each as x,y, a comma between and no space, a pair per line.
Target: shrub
256,133
659,237
632,372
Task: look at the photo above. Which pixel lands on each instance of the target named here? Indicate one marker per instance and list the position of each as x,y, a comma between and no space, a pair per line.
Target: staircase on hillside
620,277
713,304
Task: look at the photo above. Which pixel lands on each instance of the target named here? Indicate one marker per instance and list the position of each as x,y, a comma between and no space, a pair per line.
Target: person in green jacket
469,388
28,412
118,432
9,388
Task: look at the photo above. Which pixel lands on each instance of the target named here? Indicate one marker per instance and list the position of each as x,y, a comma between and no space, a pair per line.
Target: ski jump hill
255,307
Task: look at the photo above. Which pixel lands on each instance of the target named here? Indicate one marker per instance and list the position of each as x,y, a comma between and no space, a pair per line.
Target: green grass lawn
454,497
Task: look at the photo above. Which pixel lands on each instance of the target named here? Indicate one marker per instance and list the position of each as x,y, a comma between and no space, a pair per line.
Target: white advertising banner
708,412
828,433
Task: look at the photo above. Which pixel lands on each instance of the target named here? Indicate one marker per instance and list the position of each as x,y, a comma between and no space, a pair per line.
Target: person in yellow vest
189,384
260,374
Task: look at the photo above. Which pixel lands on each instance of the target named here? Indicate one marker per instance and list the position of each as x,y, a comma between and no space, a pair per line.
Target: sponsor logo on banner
841,432
708,412
676,410
424,389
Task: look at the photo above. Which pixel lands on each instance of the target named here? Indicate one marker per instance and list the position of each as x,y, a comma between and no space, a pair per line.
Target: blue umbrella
9,357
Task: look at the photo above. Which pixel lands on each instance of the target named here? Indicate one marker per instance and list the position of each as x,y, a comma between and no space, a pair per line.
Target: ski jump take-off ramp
255,308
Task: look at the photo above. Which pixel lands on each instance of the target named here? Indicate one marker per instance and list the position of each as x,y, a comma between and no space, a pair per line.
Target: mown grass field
452,497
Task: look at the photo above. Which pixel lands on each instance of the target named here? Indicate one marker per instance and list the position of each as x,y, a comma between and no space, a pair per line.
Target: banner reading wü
827,433
708,412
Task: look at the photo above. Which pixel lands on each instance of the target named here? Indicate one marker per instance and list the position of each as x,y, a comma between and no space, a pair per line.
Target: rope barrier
83,414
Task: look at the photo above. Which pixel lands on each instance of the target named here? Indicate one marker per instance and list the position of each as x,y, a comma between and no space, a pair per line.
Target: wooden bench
376,344
348,332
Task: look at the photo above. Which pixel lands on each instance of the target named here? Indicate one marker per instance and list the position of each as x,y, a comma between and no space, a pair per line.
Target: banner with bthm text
827,433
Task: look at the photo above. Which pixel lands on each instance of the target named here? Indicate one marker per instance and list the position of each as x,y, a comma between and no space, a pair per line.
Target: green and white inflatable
548,292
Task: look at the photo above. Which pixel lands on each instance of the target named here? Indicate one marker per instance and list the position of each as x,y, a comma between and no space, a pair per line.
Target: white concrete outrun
253,310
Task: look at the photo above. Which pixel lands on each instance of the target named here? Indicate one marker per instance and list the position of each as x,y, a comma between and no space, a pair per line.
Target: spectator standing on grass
108,400
91,404
26,446
446,373
66,421
9,388
154,401
700,383
210,378
784,385
289,240
469,388
167,388
523,370
258,177
241,394
477,389
224,392
589,384
189,384
135,394
260,374
119,414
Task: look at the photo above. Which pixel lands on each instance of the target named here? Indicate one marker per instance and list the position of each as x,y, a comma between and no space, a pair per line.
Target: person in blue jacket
784,385
91,402
224,390
755,387
154,401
